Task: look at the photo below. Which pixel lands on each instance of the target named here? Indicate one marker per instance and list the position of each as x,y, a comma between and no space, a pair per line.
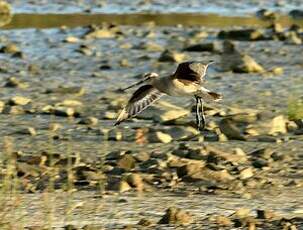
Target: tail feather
209,95
216,96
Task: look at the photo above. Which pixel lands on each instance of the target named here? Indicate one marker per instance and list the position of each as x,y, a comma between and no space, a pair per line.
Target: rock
126,162
266,15
242,213
291,125
277,70
71,39
194,172
246,173
64,111
91,121
265,214
171,56
242,35
296,14
157,136
70,103
182,133
176,216
233,60
204,47
268,126
248,222
28,131
264,153
14,82
222,221
114,135
267,138
145,222
276,29
14,110
151,47
260,163
67,90
124,186
135,180
96,32
2,105
237,157
18,100
10,48
244,118
5,8
293,38
142,156
230,130
110,115
86,50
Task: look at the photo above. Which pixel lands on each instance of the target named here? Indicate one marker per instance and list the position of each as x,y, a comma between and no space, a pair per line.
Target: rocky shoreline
61,92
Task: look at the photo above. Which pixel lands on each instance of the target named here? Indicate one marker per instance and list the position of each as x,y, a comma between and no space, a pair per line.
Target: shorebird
187,81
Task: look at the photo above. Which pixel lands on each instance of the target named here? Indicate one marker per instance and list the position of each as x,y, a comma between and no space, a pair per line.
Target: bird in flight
187,81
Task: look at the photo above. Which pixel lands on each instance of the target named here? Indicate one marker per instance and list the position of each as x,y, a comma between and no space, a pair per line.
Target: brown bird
185,82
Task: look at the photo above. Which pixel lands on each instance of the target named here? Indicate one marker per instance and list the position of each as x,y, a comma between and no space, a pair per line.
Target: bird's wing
140,100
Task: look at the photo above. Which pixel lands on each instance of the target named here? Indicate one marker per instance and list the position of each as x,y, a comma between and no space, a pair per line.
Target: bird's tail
209,95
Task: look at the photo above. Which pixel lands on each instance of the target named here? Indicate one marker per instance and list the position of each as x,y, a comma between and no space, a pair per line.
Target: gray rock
92,121
28,131
158,137
19,100
271,126
204,47
15,82
63,111
182,133
233,60
231,131
243,35
246,173
171,56
296,14
176,216
10,48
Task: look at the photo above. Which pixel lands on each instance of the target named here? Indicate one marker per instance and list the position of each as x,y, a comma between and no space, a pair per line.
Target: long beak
147,77
210,63
133,85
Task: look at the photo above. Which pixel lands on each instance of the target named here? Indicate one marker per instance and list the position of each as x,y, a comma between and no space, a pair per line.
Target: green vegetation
295,109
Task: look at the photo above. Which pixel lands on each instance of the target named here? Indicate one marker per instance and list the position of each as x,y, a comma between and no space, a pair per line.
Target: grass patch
295,109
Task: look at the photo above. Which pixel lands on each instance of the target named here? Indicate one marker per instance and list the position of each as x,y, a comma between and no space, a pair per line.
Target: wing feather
140,100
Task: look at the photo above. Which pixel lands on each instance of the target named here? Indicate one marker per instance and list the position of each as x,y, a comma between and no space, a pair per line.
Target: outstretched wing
140,100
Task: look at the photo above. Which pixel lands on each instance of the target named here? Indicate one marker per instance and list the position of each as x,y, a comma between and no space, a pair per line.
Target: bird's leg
200,118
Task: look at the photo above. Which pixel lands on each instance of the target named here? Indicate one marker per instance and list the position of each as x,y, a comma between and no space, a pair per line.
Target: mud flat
64,165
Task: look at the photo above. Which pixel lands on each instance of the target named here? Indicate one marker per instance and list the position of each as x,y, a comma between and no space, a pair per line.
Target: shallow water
171,6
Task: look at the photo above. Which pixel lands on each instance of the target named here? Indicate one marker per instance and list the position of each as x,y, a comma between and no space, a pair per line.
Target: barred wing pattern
140,100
